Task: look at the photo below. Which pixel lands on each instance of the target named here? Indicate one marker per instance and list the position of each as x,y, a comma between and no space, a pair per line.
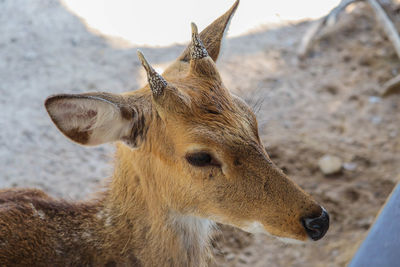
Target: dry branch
309,36
391,87
386,24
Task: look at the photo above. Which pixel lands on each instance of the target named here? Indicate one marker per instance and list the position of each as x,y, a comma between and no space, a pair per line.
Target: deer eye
201,159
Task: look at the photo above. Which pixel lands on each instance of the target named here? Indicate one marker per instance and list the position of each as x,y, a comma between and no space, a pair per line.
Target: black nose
317,227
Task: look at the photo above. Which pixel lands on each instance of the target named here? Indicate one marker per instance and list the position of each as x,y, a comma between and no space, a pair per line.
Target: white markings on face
258,228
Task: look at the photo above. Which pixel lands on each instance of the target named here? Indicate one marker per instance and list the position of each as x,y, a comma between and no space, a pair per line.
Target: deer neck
143,225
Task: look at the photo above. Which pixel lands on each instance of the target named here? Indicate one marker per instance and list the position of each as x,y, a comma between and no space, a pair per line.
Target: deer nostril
317,227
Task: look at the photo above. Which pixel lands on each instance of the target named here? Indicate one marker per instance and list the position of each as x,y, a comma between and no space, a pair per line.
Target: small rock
243,259
374,99
30,55
393,133
335,252
381,52
349,166
230,256
329,164
365,223
376,120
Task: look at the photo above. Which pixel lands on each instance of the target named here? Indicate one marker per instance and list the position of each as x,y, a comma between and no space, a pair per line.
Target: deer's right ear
96,118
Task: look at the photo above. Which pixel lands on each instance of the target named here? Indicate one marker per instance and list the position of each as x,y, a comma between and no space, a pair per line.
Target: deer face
203,140
230,177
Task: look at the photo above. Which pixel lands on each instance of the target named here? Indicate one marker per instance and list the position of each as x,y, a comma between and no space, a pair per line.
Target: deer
188,156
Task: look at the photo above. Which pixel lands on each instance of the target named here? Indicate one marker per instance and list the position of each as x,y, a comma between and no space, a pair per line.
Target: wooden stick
312,31
391,87
386,24
308,37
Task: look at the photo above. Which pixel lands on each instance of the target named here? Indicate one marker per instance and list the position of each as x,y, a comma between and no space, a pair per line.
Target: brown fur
158,208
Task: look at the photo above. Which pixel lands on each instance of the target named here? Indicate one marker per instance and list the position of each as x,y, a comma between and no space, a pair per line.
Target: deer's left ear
95,118
213,35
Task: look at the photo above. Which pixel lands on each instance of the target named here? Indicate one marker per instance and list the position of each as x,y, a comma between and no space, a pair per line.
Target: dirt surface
326,104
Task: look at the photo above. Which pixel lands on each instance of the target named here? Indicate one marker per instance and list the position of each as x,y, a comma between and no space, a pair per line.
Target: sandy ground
326,104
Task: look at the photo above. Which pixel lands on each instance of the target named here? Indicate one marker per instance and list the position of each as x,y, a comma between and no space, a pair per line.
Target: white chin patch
258,228
290,240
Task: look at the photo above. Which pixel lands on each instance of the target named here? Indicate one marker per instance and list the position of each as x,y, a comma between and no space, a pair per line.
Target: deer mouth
315,228
258,228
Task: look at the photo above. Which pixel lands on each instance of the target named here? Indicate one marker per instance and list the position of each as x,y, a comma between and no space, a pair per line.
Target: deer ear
94,118
213,35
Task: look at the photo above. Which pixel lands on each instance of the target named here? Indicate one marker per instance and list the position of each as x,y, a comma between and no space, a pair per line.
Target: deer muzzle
317,227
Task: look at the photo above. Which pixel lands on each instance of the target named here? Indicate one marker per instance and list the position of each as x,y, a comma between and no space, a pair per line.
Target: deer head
194,145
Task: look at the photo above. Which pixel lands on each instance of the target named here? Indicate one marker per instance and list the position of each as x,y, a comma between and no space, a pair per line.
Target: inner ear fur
97,118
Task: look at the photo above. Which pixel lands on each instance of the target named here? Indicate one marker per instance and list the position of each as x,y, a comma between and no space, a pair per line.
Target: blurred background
321,118
163,23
